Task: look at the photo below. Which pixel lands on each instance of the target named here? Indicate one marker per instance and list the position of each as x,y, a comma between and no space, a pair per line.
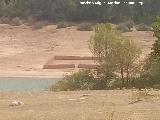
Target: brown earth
24,51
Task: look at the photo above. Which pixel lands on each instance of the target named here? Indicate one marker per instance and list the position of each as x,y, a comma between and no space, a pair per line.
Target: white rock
16,103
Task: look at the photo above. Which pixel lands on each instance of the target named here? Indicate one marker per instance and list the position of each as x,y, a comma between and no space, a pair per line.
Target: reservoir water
20,84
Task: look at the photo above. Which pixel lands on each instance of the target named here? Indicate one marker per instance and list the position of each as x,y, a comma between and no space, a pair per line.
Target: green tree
156,46
150,74
116,53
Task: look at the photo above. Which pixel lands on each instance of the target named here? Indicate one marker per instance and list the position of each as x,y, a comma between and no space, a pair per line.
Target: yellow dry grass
80,105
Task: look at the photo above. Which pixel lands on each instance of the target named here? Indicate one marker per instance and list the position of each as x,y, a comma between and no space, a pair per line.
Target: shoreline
54,76
31,76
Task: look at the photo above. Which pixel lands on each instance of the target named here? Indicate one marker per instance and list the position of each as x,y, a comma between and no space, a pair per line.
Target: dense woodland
72,10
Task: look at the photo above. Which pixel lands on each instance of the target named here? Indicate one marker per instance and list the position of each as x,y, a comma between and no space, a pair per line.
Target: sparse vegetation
62,25
4,20
16,21
123,27
85,27
70,24
140,96
38,25
143,27
126,26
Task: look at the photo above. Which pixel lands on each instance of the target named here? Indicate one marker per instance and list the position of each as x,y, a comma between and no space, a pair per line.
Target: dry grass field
82,105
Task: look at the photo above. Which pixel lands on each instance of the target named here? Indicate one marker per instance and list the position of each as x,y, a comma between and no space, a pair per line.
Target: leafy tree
156,46
150,74
116,53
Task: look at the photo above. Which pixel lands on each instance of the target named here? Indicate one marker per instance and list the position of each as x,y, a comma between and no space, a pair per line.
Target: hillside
24,51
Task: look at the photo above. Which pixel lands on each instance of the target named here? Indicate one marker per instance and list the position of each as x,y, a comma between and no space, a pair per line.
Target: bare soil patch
24,51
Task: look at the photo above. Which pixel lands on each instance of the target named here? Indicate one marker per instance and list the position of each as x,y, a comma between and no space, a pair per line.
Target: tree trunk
122,77
127,77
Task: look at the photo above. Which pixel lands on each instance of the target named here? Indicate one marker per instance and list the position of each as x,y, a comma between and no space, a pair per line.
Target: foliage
150,75
123,27
38,25
143,27
72,10
82,80
4,20
70,24
116,53
85,27
62,25
156,46
126,26
130,24
16,21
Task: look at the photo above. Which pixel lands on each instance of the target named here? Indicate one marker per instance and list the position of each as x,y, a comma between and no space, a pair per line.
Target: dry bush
70,24
62,25
141,96
38,25
16,21
85,27
4,20
123,27
143,27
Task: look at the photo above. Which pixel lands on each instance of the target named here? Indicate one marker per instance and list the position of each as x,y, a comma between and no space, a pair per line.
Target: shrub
143,27
85,27
82,80
38,25
123,28
16,21
4,20
70,24
116,83
62,25
30,21
130,24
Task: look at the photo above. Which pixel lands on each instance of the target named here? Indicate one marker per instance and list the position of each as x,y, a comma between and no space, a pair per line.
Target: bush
143,27
85,27
30,21
82,80
62,25
70,24
130,24
16,21
38,25
4,20
123,27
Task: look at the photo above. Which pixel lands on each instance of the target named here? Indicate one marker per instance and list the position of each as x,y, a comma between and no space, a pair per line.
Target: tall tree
116,53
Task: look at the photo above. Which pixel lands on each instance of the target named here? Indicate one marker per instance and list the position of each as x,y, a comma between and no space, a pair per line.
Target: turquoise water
15,84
